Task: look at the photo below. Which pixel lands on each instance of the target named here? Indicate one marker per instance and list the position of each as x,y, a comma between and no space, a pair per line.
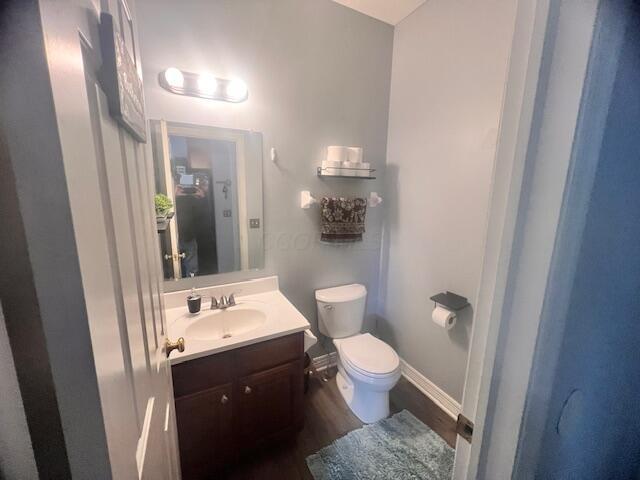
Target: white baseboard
325,361
431,390
426,386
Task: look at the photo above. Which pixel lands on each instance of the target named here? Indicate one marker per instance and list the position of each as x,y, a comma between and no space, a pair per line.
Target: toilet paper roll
443,318
331,167
350,169
331,164
364,170
336,153
355,154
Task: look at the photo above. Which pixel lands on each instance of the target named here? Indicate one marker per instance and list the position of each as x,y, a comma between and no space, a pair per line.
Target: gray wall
318,74
449,70
16,451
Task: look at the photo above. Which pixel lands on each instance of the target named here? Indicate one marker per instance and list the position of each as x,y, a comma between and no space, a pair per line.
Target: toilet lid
369,355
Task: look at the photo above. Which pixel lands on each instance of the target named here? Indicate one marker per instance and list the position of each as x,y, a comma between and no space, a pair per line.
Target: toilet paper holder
450,301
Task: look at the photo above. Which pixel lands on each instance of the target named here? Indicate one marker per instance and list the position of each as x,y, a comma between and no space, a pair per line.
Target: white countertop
282,319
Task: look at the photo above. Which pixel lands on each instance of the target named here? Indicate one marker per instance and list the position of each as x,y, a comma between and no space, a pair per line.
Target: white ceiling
390,11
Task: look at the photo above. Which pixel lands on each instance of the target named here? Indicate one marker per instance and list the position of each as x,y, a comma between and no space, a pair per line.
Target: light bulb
174,77
207,84
236,90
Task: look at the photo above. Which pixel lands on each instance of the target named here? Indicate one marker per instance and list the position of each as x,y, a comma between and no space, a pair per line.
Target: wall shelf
451,301
347,173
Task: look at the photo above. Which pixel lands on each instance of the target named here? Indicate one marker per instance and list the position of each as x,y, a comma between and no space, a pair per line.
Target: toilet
367,367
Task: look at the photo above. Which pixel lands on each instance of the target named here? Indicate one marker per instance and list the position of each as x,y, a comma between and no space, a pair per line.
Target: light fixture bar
203,85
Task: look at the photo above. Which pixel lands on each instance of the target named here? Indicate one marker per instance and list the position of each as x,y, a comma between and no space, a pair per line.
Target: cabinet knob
247,390
224,399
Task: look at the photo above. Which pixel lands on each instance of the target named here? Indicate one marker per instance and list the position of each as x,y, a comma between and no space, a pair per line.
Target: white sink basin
262,313
226,323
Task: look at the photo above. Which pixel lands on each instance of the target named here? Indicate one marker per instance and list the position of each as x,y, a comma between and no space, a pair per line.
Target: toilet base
368,405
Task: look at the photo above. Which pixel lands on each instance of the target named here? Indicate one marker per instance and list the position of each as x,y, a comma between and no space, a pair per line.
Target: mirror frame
250,146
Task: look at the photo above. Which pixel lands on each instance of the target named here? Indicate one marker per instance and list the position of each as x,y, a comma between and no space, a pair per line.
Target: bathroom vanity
229,403
239,383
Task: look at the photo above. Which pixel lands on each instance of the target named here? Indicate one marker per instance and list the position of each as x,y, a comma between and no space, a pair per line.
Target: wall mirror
208,199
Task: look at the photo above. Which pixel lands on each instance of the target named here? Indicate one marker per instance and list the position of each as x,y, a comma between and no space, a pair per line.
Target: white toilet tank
341,310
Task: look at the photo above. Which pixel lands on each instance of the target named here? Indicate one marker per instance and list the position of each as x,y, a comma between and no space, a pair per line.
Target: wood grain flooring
327,418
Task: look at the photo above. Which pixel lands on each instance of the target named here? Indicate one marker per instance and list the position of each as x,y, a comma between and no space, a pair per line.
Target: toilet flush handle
328,307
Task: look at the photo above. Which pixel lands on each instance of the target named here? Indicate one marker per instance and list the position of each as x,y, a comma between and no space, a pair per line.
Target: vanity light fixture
207,84
203,85
236,90
174,78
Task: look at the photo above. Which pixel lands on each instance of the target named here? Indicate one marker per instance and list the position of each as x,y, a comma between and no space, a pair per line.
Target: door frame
165,151
608,39
547,69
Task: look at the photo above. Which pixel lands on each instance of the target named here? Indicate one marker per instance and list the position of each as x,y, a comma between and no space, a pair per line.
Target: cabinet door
205,431
269,404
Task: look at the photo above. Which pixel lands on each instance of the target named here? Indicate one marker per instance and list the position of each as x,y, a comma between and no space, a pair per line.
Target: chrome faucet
223,303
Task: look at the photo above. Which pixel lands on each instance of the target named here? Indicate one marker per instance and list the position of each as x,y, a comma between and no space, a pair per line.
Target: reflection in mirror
210,221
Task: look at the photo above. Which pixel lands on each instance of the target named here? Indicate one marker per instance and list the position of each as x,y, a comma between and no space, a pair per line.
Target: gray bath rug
397,448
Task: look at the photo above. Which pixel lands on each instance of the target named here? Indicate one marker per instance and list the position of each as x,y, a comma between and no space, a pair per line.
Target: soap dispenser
194,301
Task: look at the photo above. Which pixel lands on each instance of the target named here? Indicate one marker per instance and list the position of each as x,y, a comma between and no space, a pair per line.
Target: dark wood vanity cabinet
230,403
268,404
205,420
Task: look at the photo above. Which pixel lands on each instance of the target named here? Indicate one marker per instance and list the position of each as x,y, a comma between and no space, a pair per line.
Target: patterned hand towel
342,219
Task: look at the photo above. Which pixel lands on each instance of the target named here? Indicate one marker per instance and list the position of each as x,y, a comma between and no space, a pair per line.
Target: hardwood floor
327,418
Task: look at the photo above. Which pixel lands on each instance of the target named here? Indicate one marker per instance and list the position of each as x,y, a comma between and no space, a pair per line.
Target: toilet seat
368,356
